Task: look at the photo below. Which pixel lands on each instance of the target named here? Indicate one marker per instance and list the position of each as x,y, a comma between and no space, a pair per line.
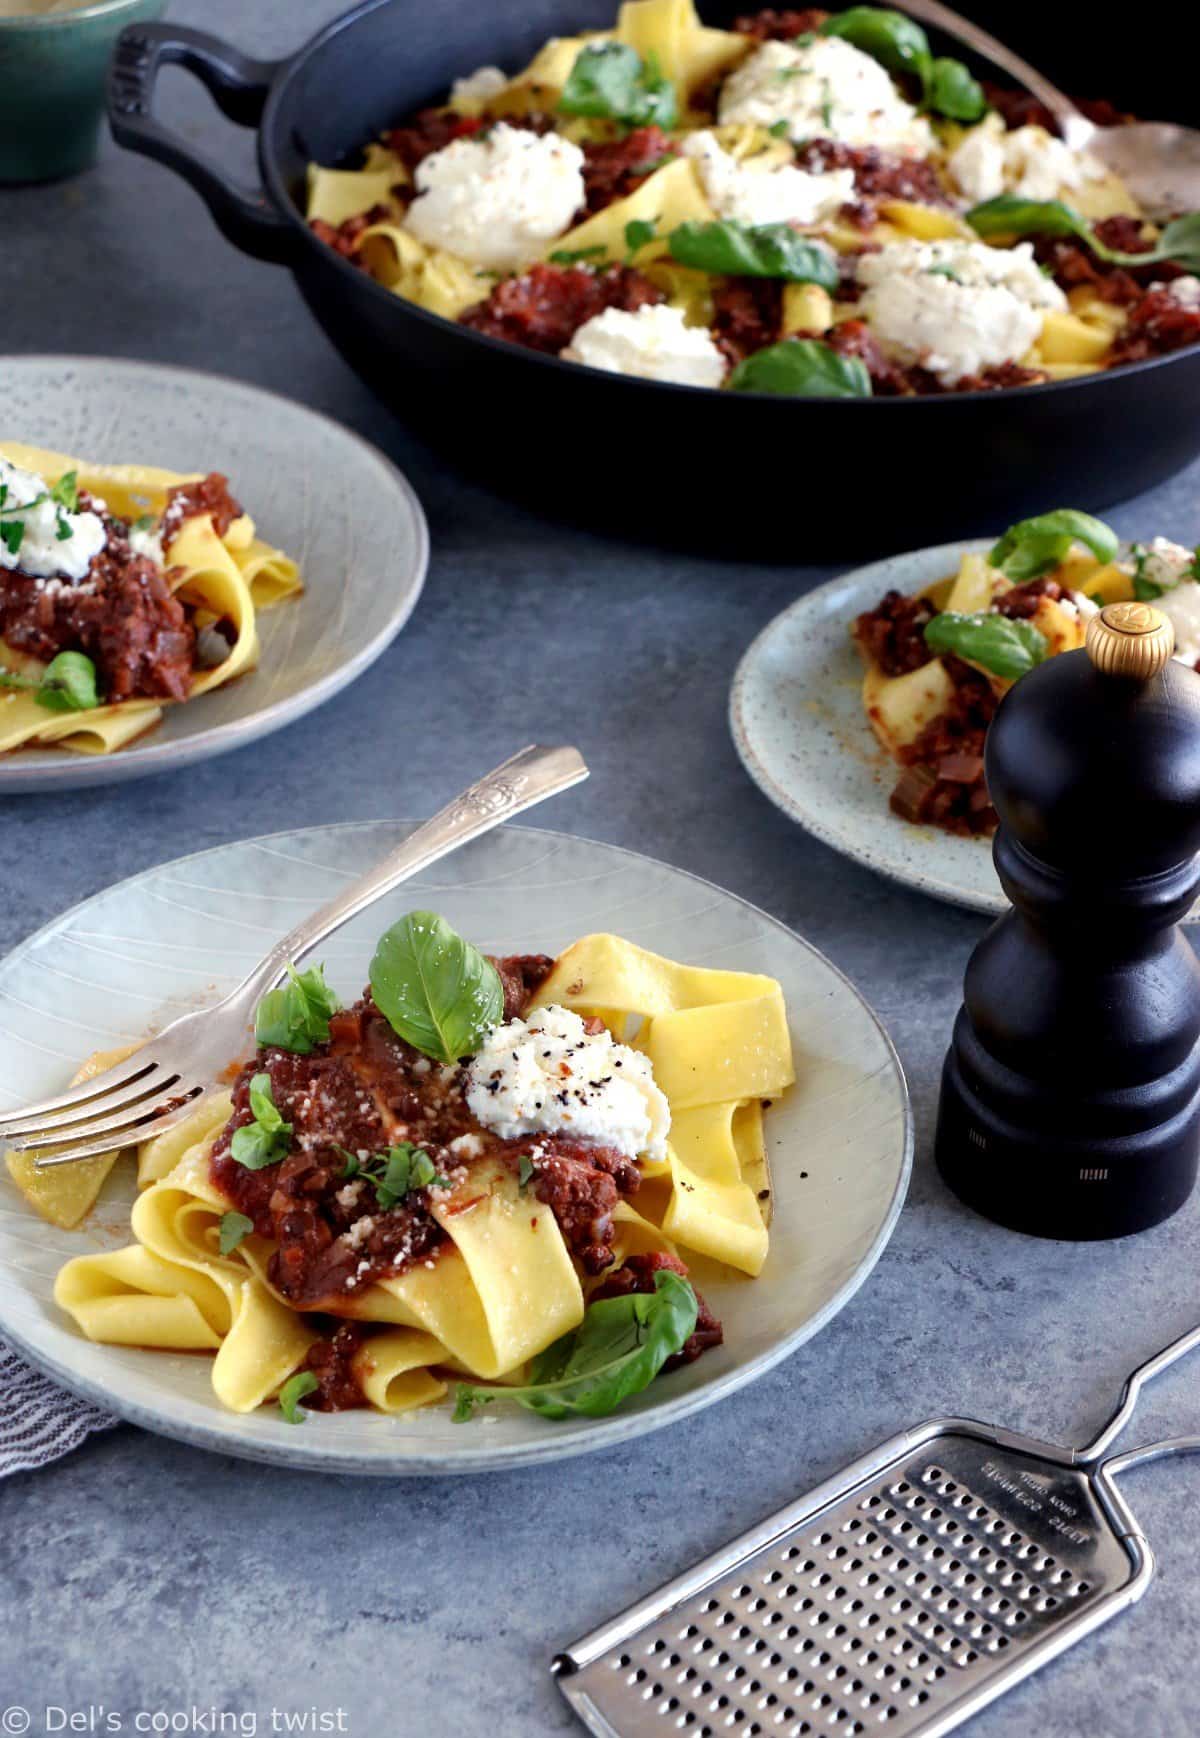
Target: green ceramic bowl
52,73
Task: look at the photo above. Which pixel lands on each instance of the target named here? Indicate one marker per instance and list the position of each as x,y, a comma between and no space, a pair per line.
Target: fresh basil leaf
293,1391
66,492
617,1350
571,256
1179,241
610,81
234,1227
296,1016
396,1173
888,37
12,533
638,231
761,250
955,92
1035,546
1013,214
802,368
146,522
1005,645
68,684
435,989
265,1140
525,1170
11,679
778,129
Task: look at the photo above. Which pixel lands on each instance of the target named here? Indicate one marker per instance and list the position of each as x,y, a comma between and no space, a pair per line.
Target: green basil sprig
233,1229
396,1173
802,368
617,1350
900,45
759,250
1009,214
296,1016
1035,546
67,684
265,1140
610,81
293,1391
1005,645
435,989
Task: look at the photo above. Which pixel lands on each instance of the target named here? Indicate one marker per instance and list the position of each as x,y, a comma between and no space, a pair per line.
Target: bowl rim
285,204
91,9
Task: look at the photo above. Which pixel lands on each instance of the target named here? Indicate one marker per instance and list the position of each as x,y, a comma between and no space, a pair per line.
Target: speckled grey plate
335,504
798,722
130,959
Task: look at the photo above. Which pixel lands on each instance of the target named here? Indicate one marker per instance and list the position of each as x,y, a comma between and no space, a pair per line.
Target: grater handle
1170,1445
1134,1382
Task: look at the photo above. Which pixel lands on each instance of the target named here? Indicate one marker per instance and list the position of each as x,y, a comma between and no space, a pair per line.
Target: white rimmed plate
129,959
334,503
798,723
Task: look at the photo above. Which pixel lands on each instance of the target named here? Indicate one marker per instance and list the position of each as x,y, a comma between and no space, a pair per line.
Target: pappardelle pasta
809,204
478,1174
123,589
939,662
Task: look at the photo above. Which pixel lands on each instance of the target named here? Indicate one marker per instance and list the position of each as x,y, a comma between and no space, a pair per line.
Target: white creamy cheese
1185,291
146,542
1183,606
42,552
548,1075
497,201
478,87
1029,161
755,191
955,307
653,343
824,89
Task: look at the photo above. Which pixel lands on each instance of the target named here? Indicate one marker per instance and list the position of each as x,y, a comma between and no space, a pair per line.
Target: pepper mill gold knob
1130,639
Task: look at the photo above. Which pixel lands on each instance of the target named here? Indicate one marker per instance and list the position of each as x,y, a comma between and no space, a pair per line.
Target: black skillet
746,473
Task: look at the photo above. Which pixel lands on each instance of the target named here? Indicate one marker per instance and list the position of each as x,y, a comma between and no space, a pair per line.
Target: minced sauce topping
366,1090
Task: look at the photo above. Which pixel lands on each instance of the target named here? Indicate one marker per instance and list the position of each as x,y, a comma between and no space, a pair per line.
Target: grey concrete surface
141,1577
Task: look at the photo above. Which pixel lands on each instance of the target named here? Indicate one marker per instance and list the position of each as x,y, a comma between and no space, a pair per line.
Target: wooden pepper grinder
1071,1091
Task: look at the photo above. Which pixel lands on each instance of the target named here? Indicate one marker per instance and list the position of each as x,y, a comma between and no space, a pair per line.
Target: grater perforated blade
899,1597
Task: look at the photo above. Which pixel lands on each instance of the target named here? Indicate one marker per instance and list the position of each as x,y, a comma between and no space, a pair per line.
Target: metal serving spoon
1158,160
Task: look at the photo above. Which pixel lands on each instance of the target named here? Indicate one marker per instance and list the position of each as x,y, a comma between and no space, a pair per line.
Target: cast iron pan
746,473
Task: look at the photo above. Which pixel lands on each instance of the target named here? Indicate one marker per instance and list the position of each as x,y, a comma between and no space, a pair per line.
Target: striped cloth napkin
38,1420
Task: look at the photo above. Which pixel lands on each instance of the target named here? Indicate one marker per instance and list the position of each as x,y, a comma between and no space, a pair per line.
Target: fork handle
1075,127
517,784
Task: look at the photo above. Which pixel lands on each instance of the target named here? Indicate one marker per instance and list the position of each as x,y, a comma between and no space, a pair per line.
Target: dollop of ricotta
147,542
955,307
824,89
653,343
42,552
753,190
1029,161
477,87
548,1075
1185,291
496,201
1183,607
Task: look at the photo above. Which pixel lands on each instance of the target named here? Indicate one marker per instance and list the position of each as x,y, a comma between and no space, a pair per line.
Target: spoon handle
1076,129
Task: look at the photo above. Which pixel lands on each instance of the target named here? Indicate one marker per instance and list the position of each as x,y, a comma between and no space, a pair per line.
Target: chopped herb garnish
525,1170
293,1391
396,1173
638,232
265,1140
943,272
571,256
611,81
234,1227
826,104
778,129
145,522
12,531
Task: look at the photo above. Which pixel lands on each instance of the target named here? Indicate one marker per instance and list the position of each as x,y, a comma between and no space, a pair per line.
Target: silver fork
165,1080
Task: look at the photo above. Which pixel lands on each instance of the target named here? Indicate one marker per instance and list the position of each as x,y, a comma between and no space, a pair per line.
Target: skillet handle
238,85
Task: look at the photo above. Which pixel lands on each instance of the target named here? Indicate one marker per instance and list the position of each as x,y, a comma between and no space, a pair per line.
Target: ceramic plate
130,959
331,501
799,726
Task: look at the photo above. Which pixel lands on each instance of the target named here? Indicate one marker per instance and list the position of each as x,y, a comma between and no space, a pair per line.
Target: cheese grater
899,1597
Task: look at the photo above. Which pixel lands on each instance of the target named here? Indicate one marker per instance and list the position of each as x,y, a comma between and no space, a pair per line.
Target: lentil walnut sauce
366,1090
